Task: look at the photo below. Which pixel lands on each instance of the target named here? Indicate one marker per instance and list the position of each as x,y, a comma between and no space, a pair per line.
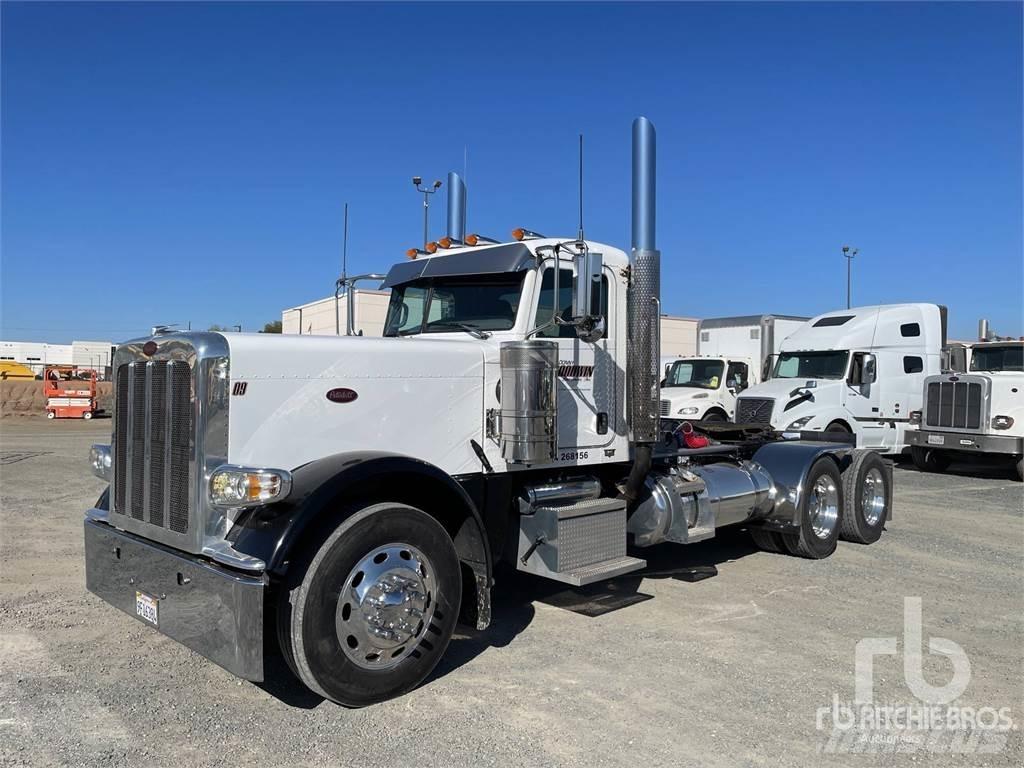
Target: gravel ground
726,670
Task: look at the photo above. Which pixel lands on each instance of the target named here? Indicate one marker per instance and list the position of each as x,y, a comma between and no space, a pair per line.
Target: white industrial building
322,318
37,355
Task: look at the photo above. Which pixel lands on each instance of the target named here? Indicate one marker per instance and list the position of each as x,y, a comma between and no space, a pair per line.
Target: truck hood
677,395
794,399
295,399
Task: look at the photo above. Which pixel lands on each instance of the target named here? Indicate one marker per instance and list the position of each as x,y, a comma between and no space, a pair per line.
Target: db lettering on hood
342,395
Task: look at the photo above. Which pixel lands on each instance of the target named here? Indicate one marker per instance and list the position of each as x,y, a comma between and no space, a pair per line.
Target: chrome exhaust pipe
456,208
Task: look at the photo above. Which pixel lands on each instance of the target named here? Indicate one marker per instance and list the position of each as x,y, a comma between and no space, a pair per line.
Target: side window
910,329
545,301
912,364
736,377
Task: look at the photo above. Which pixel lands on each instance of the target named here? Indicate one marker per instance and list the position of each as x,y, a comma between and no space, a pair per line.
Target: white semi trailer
974,412
856,372
733,354
350,498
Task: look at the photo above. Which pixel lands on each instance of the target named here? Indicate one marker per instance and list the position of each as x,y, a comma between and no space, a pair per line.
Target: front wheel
376,606
929,459
51,415
87,415
820,506
715,417
1020,467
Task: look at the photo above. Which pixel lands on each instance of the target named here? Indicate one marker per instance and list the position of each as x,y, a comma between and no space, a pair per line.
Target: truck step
577,543
602,571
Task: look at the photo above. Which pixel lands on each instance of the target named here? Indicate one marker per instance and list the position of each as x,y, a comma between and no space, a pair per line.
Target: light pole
849,253
417,181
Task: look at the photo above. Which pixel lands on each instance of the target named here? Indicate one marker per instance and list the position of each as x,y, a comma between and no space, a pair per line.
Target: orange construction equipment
67,395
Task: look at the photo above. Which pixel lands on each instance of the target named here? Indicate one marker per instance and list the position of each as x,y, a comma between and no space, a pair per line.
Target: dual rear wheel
852,505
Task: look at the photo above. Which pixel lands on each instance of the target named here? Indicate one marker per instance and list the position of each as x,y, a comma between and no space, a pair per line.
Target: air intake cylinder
527,430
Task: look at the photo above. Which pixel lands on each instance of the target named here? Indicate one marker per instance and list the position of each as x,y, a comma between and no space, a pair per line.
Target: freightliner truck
978,412
346,501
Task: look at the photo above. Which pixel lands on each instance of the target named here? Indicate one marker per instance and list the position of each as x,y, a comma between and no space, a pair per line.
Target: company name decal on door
570,371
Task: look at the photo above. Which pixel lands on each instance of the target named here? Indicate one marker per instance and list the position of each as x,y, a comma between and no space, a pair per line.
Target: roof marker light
475,239
525,234
431,247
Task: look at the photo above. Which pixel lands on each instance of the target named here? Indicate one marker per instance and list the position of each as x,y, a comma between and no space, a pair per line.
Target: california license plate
146,608
936,440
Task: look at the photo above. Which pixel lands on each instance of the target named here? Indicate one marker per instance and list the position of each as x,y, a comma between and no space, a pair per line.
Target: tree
274,326
216,327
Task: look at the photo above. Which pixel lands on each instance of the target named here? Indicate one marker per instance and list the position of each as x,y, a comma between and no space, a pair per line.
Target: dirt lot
675,669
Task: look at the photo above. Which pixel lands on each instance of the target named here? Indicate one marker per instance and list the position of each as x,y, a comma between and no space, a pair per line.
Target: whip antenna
580,236
344,245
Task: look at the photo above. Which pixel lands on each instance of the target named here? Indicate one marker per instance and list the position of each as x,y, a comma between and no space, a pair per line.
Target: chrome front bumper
216,612
966,441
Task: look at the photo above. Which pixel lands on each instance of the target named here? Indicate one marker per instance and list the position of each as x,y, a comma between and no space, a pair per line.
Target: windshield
811,365
1009,358
451,304
704,374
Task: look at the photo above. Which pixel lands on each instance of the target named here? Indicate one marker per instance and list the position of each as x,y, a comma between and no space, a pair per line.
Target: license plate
936,440
146,608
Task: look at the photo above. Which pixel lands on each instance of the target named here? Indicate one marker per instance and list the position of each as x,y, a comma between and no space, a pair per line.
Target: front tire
929,459
867,490
87,415
820,507
376,606
715,417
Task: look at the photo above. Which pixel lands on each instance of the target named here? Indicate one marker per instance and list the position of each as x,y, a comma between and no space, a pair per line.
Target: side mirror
586,295
869,368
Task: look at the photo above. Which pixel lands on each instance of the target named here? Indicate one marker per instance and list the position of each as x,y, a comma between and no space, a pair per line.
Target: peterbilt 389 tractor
346,500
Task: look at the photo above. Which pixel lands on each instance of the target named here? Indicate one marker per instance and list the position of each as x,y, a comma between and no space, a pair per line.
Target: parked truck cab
705,388
347,499
858,372
972,413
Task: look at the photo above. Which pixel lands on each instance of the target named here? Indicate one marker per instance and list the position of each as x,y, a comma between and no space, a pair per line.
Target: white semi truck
350,499
856,372
974,412
733,353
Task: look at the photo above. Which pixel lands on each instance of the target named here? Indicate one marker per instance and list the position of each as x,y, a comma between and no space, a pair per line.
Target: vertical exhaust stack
983,331
456,207
645,310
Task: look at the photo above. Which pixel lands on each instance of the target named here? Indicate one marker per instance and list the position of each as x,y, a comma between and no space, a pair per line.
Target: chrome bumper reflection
213,611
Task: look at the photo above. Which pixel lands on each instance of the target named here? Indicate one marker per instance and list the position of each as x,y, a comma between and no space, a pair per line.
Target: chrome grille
153,425
754,410
666,408
954,404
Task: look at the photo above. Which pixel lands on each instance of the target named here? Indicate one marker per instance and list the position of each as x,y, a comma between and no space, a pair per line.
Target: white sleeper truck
979,412
732,353
344,501
855,372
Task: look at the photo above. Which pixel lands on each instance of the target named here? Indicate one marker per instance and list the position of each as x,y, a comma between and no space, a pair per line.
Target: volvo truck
733,353
855,372
344,501
974,410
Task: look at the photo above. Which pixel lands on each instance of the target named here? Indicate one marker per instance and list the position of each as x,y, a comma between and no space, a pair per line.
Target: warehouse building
322,318
36,355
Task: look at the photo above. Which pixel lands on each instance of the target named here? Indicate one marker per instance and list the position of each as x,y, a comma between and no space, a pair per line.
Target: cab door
863,401
587,380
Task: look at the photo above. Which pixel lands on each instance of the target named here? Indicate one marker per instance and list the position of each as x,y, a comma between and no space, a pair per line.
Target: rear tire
867,492
821,504
929,459
376,606
767,540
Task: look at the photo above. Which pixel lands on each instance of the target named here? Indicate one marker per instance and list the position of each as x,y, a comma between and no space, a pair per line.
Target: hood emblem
342,395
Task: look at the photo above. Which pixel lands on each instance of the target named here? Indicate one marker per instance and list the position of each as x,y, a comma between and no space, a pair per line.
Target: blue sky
189,162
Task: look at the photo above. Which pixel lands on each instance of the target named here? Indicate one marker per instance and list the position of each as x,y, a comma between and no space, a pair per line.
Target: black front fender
326,491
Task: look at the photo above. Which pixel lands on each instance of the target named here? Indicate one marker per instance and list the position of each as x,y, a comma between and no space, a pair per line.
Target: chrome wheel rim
385,606
823,506
872,500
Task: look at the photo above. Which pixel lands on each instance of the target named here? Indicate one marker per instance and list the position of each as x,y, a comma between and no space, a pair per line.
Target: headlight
1002,422
245,487
99,461
799,423
688,411
915,417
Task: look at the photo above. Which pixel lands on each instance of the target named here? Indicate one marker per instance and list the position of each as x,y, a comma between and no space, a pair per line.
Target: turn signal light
915,417
1002,422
